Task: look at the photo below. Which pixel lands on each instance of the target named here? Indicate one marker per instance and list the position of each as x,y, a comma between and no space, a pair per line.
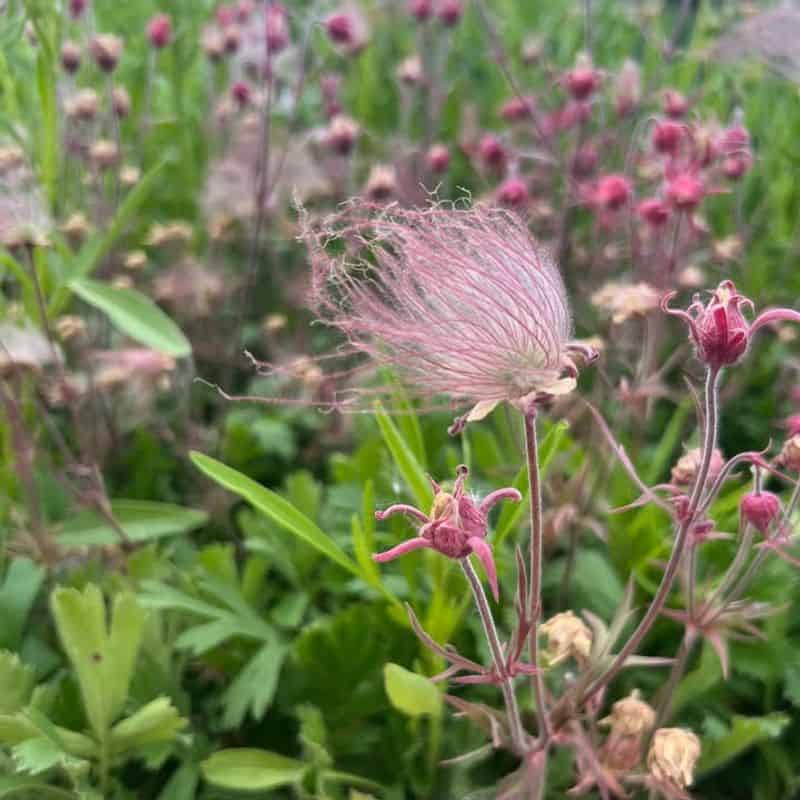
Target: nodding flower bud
231,39
584,162
240,92
121,101
517,109
667,136
737,165
70,57
492,153
421,10
83,105
673,755
612,192
213,43
381,183
245,9
628,88
339,27
104,154
675,105
685,191
449,12
106,50
513,192
760,509
630,716
567,636
790,454
342,134
437,159
159,31
276,27
77,7
583,79
792,424
685,469
409,71
653,211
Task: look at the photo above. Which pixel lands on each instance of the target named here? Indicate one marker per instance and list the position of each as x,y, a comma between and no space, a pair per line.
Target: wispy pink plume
460,301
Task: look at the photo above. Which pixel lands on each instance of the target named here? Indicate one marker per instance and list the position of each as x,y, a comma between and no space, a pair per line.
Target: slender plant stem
518,736
676,673
535,593
681,541
733,572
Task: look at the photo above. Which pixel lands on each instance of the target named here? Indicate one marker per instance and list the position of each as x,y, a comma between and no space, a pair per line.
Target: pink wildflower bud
449,12
685,191
719,330
583,80
456,526
667,136
231,39
675,105
438,159
790,453
341,135
517,109
628,88
226,15
493,153
584,162
70,57
159,31
685,470
737,165
276,27
612,192
734,139
421,10
244,10
106,50
121,101
241,93
339,27
574,113
77,7
381,182
760,509
654,212
513,192
792,424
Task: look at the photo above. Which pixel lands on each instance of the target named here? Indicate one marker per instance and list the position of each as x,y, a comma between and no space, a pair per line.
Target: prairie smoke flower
341,134
493,153
626,300
685,470
456,526
686,190
630,716
106,50
612,192
276,27
438,158
463,302
719,330
421,10
672,757
667,136
70,56
513,192
381,182
760,509
628,88
674,104
449,12
347,29
583,79
653,211
517,109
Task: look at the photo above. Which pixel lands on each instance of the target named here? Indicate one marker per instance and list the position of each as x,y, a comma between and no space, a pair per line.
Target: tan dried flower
274,323
409,71
106,50
121,101
568,636
170,233
70,326
630,716
104,153
790,454
626,300
136,259
673,755
129,175
83,105
76,228
381,183
684,471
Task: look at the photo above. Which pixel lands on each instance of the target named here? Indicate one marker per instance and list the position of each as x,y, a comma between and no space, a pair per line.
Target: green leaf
405,460
16,683
39,754
254,687
701,680
135,315
414,695
249,769
743,734
103,659
275,507
18,591
155,723
142,520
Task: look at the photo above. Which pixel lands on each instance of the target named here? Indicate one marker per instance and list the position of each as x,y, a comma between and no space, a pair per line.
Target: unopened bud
760,509
70,56
685,470
104,153
106,50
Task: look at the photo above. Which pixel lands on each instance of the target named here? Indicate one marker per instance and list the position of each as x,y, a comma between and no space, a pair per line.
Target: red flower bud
240,91
760,509
582,81
517,109
685,191
492,152
653,211
340,28
513,192
70,57
77,7
584,162
159,31
675,105
276,27
438,158
421,10
667,136
449,12
612,192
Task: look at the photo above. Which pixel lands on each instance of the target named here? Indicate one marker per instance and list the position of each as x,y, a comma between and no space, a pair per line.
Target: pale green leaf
250,769
155,723
135,315
743,734
410,693
16,682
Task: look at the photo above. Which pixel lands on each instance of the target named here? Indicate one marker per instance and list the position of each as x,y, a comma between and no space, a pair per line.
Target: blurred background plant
152,160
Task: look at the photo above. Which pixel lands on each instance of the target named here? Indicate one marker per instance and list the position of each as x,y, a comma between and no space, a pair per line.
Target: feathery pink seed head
462,302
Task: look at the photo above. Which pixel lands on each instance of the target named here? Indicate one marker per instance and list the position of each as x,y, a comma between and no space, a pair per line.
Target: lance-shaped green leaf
410,693
16,682
157,722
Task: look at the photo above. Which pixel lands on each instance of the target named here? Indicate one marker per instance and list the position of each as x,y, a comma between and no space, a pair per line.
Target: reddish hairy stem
679,548
535,593
518,735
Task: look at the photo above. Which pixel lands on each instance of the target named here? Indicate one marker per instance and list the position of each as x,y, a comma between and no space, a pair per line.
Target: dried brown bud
685,470
11,157
568,636
129,175
106,50
382,182
76,228
136,259
70,326
82,105
274,323
121,101
626,300
409,71
70,56
673,755
630,716
171,233
790,454
104,153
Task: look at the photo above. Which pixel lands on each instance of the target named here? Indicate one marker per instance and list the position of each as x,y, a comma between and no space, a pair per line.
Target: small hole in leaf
97,658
